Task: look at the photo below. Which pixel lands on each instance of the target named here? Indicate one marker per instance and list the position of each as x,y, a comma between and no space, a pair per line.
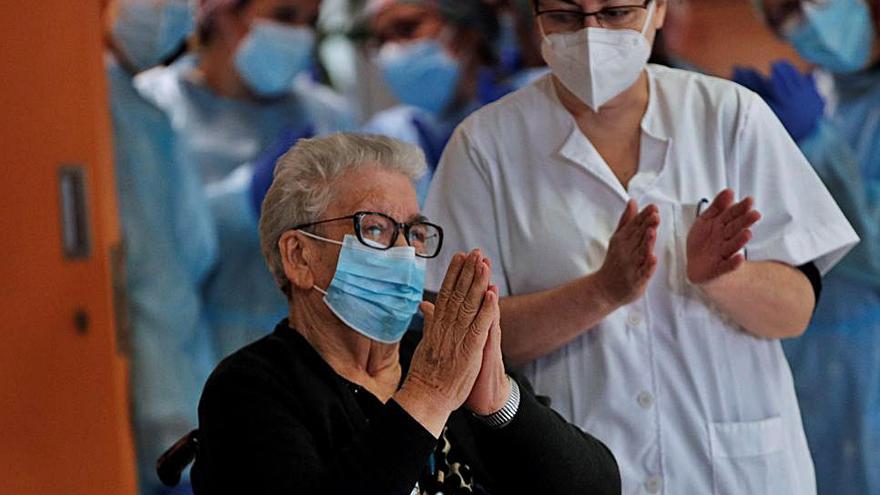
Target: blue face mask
837,36
271,56
376,293
420,74
148,32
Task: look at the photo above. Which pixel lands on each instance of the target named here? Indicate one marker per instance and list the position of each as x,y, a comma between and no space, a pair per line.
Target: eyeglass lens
382,232
619,15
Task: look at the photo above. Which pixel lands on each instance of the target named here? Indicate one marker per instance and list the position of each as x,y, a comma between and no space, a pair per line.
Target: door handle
76,239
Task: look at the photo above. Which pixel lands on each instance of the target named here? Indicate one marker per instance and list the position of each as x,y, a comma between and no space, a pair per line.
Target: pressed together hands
458,362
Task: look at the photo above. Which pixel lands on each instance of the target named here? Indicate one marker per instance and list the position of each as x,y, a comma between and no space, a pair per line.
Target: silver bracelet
503,417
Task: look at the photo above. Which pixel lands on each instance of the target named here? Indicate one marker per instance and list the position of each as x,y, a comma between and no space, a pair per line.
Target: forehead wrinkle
374,198
379,203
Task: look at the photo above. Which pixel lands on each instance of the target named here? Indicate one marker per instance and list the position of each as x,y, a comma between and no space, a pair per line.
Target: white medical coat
687,401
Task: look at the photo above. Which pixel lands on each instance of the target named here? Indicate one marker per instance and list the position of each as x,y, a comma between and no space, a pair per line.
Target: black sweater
274,418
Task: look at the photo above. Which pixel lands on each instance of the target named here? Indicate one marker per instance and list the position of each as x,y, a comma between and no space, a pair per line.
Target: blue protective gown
431,132
222,137
836,364
420,128
170,246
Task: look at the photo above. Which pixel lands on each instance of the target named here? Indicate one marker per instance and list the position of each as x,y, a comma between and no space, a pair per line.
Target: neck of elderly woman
358,359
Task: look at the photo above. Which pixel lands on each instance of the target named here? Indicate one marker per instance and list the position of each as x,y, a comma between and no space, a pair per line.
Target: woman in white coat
658,328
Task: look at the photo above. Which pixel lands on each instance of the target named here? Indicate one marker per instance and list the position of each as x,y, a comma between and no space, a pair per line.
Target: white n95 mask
598,64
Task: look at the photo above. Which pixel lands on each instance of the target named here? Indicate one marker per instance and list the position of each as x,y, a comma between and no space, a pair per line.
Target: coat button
645,400
634,319
654,484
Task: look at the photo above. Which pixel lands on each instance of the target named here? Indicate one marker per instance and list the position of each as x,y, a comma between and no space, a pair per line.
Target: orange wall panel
63,404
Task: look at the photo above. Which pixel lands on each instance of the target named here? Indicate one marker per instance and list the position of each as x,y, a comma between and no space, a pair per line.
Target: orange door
63,408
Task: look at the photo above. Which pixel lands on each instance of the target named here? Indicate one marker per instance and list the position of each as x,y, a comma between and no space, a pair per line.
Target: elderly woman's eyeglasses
625,16
380,231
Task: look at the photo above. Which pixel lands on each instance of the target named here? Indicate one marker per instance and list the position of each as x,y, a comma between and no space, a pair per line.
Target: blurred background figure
672,40
519,44
837,362
168,235
248,82
438,59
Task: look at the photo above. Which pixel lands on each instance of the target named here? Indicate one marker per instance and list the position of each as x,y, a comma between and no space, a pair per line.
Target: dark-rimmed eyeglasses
630,16
380,231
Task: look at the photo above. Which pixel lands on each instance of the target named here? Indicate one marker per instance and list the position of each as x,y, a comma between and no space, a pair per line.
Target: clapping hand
714,242
630,261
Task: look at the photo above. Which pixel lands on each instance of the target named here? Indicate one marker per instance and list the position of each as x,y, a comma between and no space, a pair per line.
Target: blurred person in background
519,44
247,83
169,243
438,60
672,38
836,364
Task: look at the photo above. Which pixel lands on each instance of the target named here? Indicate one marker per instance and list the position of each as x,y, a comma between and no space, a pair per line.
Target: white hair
305,180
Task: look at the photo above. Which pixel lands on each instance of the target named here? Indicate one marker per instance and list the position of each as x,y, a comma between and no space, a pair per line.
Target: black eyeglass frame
405,227
585,15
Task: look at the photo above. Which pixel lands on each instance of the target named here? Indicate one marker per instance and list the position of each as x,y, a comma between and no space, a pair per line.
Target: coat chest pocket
689,301
751,458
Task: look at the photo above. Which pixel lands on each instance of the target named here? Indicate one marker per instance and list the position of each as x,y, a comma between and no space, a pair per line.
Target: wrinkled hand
719,233
492,387
450,356
630,262
793,97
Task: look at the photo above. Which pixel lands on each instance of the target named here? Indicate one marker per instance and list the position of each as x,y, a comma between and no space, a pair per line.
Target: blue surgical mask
837,36
147,32
420,73
375,293
272,54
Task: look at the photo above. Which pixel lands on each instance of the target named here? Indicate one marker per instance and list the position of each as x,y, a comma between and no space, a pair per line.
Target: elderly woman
338,399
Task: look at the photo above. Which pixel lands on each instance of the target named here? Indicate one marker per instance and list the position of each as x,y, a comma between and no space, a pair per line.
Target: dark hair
473,14
476,15
207,30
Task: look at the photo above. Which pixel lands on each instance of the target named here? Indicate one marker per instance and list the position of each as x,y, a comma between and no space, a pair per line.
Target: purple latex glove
793,96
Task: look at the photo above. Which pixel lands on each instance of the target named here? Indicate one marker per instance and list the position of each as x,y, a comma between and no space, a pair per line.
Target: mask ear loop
322,239
319,238
445,38
651,11
541,28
